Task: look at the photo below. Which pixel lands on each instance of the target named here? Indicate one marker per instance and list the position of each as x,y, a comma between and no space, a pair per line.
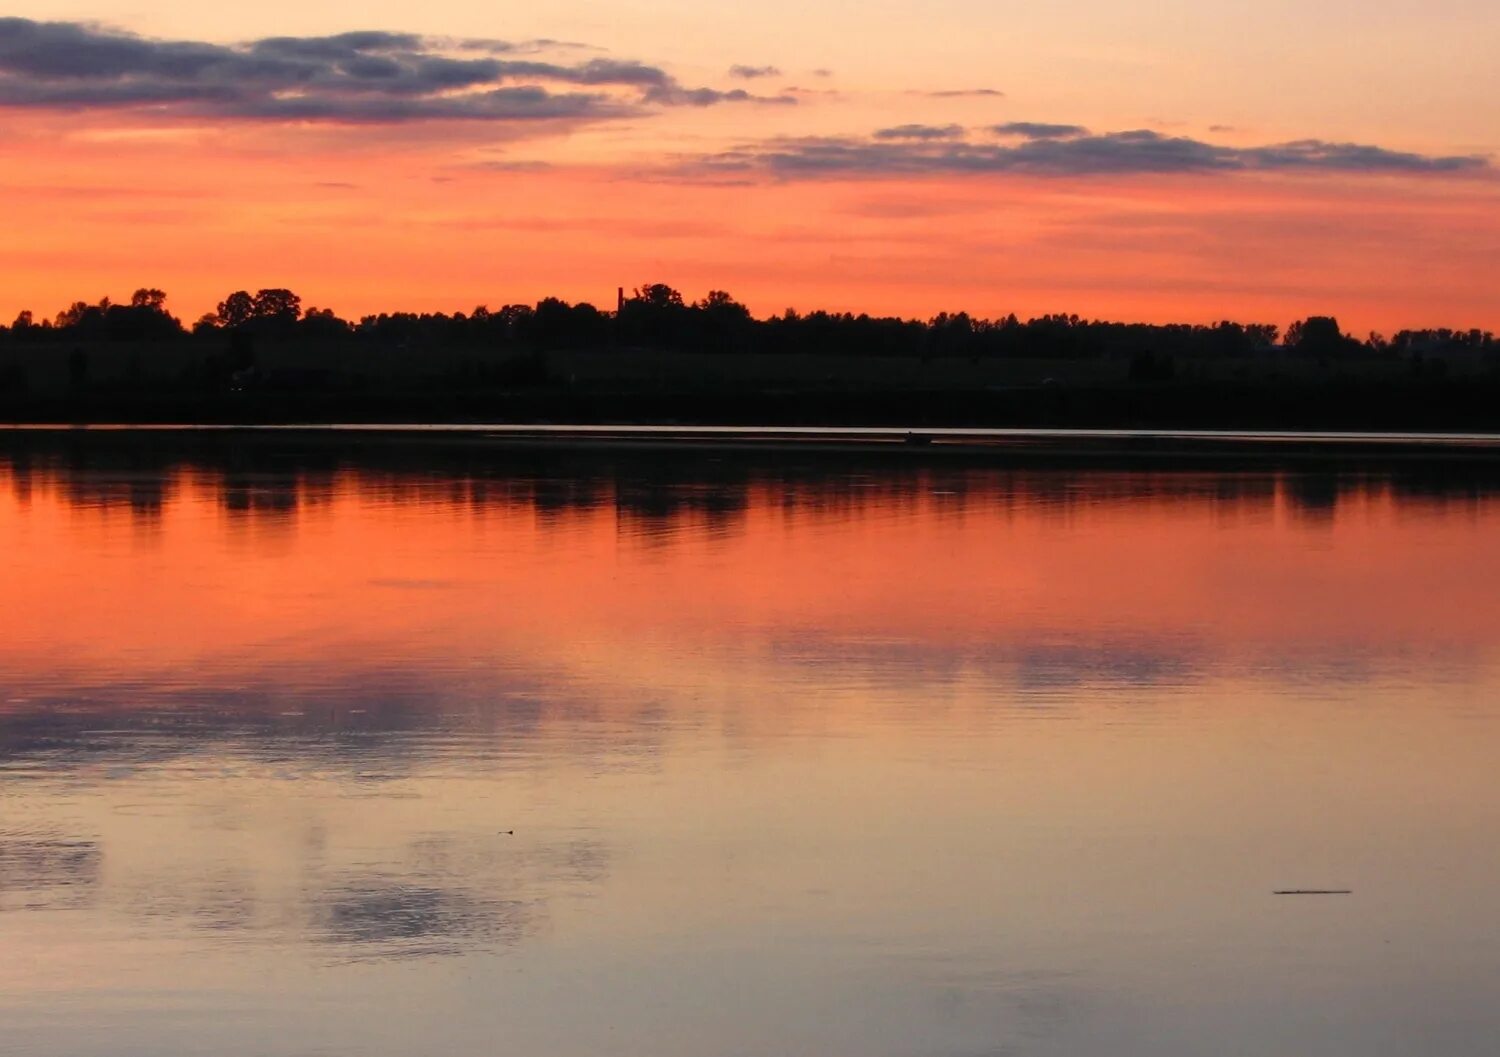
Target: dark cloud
920,132
508,166
750,73
366,76
676,95
1316,154
552,42
961,93
504,47
1039,130
527,102
595,72
1081,153
338,46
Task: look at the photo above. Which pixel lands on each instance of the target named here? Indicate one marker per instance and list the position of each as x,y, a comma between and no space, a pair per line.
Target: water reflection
410,918
46,873
272,475
419,747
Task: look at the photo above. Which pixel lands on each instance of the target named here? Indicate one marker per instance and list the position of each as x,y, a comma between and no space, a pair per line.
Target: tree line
656,316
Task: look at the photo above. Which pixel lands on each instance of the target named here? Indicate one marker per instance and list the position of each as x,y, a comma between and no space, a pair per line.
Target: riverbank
1104,447
1343,404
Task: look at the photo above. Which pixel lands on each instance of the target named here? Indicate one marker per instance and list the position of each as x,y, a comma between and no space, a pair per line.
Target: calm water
330,751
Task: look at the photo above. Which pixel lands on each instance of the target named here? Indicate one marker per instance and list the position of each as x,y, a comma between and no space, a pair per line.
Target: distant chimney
619,299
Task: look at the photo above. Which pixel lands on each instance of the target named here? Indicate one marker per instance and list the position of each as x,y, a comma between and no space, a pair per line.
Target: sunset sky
1185,160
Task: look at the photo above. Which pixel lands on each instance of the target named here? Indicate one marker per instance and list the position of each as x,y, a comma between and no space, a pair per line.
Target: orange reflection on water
639,754
192,565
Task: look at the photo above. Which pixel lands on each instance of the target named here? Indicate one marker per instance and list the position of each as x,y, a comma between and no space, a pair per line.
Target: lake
319,746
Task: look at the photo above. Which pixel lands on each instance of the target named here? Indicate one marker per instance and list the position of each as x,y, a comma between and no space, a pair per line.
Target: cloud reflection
50,873
388,917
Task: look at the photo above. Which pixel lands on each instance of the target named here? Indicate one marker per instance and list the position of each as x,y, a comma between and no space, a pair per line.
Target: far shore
1154,447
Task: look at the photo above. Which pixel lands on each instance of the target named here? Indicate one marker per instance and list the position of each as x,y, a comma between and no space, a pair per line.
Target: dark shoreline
1470,404
1127,449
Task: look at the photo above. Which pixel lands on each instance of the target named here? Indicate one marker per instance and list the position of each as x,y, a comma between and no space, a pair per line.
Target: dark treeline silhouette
657,316
265,355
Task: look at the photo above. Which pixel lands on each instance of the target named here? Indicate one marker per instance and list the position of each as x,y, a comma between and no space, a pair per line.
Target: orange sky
1392,220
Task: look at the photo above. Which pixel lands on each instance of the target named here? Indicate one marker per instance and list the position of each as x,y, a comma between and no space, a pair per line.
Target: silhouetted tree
322,323
79,313
1319,336
720,302
658,295
1262,335
78,368
236,309
509,346
1148,366
277,304
653,315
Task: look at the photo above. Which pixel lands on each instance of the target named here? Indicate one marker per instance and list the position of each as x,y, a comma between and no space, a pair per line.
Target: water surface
312,749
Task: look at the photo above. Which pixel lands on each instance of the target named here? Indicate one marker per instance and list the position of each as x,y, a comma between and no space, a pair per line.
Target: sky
1181,161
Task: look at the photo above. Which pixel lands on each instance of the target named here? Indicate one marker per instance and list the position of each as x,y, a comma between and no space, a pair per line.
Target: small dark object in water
918,438
507,833
1313,892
